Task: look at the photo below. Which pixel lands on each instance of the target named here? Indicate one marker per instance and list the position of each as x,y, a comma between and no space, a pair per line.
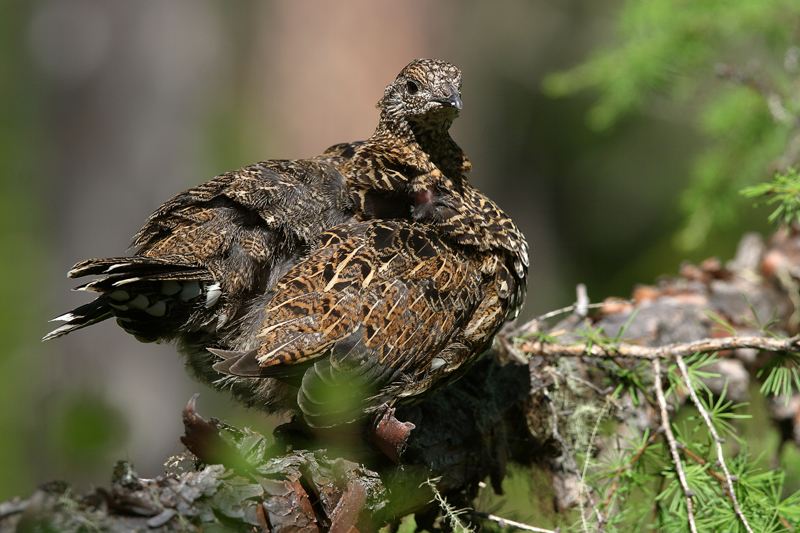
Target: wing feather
366,327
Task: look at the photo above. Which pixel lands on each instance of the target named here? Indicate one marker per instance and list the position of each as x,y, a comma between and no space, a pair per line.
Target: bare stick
573,307
589,384
504,522
775,101
717,440
580,308
582,303
600,516
669,351
673,445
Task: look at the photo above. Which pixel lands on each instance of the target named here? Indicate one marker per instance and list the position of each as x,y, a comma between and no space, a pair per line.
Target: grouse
339,286
385,311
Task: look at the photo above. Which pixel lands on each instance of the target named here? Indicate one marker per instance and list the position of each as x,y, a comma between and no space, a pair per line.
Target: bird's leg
389,434
201,436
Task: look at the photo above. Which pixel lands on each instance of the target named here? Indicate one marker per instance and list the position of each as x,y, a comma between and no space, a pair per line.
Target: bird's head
426,93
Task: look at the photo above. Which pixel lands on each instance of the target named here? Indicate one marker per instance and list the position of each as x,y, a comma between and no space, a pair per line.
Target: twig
673,445
721,479
711,472
582,303
580,308
669,351
598,390
600,517
450,512
573,307
504,522
720,457
774,99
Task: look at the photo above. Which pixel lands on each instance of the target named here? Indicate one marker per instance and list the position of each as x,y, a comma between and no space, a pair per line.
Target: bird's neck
424,144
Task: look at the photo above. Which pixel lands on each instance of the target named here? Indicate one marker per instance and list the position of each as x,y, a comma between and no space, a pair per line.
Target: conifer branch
763,86
615,480
673,444
717,441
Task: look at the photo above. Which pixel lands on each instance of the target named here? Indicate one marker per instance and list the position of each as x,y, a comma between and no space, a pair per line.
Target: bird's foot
201,436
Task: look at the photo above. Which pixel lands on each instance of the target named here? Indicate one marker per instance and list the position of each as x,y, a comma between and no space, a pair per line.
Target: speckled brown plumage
338,286
380,312
208,250
386,310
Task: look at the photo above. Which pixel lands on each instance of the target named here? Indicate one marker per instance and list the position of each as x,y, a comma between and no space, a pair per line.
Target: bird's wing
296,198
206,251
377,307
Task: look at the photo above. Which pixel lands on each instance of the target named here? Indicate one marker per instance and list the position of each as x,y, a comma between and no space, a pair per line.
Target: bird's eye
412,87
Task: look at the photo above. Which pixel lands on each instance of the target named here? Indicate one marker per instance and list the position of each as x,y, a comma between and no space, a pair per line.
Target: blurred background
110,107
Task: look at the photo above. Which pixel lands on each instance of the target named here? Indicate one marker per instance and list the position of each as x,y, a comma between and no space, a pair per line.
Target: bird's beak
452,99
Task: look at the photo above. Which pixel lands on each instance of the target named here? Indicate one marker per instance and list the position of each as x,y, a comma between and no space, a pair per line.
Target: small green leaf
719,320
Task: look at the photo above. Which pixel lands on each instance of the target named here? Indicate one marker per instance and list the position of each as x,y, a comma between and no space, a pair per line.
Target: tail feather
152,298
128,265
80,317
117,281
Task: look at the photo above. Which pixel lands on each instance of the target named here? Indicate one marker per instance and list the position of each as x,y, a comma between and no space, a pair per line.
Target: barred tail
152,298
80,317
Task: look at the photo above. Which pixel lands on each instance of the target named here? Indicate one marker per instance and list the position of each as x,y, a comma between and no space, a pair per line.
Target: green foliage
667,57
596,336
762,325
723,412
629,381
722,325
784,190
628,475
782,370
635,482
591,336
696,374
667,53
